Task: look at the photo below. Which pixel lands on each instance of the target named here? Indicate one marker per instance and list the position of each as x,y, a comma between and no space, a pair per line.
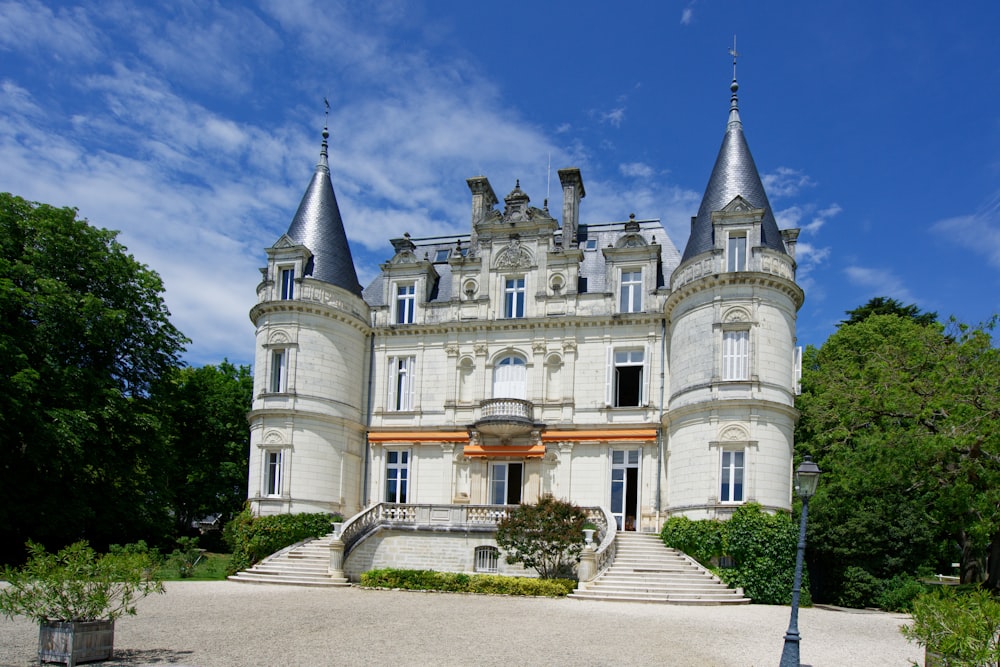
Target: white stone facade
534,357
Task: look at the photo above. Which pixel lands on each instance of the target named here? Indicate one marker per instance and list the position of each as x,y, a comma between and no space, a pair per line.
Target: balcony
506,418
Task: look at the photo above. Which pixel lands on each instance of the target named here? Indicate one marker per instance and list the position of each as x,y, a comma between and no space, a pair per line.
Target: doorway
625,488
505,483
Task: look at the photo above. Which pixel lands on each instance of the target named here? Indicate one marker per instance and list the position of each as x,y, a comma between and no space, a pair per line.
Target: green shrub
961,628
899,593
859,588
547,536
458,582
255,537
77,584
702,540
763,547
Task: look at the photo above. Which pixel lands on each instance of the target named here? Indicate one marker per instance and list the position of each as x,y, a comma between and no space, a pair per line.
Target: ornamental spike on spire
318,226
734,175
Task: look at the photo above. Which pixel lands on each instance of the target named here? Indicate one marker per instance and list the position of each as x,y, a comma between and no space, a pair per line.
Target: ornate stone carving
513,256
278,338
274,438
734,433
736,315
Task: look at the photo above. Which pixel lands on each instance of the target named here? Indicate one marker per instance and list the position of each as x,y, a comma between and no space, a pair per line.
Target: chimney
573,192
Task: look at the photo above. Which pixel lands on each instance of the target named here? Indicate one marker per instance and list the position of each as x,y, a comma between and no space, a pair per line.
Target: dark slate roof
592,238
734,174
318,226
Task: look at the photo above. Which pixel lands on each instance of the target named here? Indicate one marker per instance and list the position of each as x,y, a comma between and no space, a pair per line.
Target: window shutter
391,383
609,380
797,369
644,385
411,381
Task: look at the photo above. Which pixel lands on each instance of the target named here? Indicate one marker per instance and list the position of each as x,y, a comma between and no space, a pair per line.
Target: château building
535,355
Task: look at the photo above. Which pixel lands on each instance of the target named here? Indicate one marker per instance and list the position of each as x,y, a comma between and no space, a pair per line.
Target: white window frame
272,472
733,475
626,357
402,383
510,377
736,355
630,292
496,483
797,369
514,297
286,276
401,493
736,251
406,299
277,379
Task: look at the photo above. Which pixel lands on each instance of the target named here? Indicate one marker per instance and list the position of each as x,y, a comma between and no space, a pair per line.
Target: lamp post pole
806,479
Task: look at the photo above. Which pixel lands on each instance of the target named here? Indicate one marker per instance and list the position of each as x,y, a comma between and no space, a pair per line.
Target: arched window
510,378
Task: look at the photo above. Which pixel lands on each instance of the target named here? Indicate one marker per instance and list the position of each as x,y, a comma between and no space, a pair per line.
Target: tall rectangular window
272,473
288,283
731,488
405,301
736,355
397,475
630,300
401,383
279,371
736,252
505,483
514,298
626,381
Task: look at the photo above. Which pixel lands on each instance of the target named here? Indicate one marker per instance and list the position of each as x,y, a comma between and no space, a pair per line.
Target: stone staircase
302,564
644,570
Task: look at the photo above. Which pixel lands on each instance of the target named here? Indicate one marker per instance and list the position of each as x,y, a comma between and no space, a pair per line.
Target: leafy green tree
203,416
547,536
882,305
84,334
903,419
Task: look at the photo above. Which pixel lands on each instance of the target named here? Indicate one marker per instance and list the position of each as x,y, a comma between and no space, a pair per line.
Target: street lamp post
806,479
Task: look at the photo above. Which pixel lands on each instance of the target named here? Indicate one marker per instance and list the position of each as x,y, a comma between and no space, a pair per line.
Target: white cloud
613,117
879,282
635,170
687,15
978,232
786,182
66,34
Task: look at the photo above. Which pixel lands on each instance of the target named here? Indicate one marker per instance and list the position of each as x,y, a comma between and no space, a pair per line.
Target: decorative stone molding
513,256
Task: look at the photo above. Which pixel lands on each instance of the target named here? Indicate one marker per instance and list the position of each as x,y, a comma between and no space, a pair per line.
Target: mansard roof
734,175
318,226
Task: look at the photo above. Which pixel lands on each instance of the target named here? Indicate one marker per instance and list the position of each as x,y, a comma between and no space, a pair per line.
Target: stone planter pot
588,535
72,642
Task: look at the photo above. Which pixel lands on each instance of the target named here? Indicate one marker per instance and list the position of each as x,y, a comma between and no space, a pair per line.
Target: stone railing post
336,568
587,569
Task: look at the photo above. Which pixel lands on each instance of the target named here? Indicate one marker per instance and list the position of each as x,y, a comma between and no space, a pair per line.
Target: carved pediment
631,241
284,242
739,205
404,257
734,433
513,256
735,316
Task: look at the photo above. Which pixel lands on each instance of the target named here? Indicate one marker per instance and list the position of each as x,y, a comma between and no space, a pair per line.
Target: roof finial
326,135
734,110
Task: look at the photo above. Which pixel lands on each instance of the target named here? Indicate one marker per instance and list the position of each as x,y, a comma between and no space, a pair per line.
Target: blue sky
194,127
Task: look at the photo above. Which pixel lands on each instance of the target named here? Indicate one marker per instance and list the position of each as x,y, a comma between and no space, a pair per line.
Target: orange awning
418,436
529,451
601,435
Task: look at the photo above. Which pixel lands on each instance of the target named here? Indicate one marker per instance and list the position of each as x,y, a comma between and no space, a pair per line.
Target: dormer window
287,282
442,256
405,302
736,252
630,298
590,244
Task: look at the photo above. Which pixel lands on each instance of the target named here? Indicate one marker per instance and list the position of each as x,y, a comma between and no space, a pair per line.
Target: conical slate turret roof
318,226
734,174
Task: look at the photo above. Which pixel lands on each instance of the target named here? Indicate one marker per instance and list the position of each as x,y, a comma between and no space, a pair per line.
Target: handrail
607,531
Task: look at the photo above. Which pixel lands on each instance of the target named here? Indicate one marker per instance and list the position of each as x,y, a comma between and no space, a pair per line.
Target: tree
84,334
547,537
203,414
882,305
904,419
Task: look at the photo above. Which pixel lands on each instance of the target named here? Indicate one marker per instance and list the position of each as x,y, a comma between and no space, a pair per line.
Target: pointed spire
734,174
318,226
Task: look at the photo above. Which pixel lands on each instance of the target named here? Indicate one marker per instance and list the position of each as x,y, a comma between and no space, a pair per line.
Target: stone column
587,569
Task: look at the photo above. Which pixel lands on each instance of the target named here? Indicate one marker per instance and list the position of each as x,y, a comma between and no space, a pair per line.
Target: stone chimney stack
483,200
573,192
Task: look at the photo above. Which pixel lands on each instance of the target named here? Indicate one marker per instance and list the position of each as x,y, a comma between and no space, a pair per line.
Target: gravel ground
229,624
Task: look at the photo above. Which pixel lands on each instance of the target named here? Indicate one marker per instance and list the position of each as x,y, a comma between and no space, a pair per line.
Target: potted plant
75,595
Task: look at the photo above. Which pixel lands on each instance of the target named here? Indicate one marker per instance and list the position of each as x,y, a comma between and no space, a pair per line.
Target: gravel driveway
229,624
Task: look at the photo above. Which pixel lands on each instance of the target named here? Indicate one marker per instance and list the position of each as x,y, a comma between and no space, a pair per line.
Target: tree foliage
902,416
547,536
203,416
958,628
84,334
881,305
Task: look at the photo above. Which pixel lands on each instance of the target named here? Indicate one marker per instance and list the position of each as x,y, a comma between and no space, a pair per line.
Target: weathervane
735,55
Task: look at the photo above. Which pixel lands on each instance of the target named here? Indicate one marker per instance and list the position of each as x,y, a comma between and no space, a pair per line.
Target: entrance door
505,483
625,487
